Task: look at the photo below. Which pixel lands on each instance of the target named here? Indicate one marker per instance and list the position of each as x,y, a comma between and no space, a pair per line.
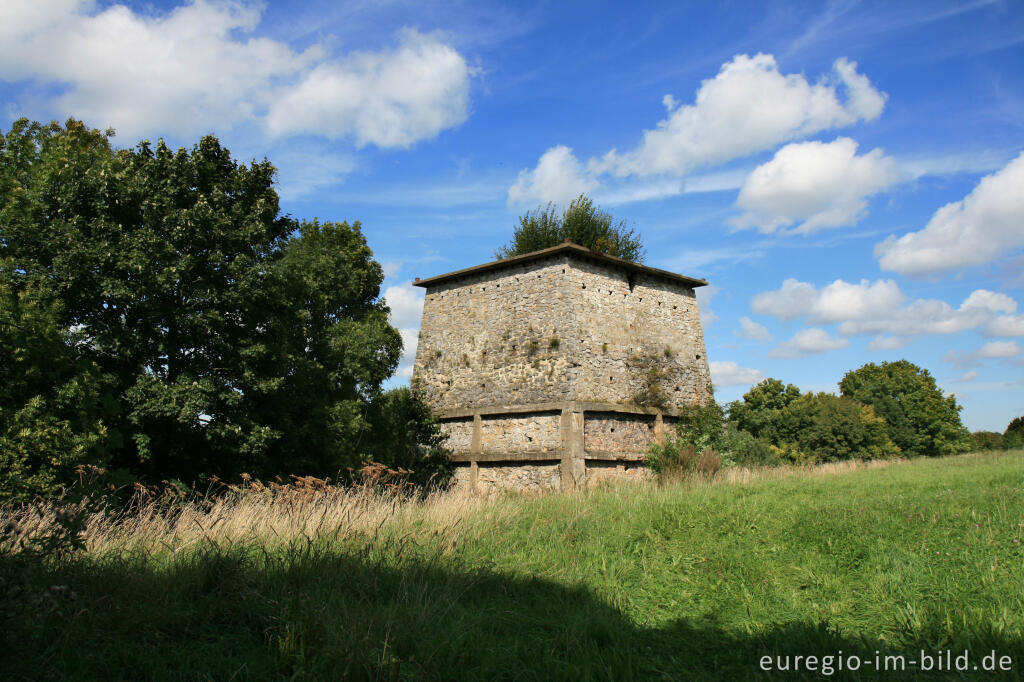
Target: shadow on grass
320,614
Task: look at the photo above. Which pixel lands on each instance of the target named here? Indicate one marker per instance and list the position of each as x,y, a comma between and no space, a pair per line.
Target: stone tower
558,367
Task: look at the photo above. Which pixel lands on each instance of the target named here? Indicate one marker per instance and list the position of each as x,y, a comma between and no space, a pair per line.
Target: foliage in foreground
582,223
160,316
674,582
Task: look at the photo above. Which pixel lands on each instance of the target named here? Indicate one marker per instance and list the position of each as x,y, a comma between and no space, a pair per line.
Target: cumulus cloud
838,301
704,296
887,343
809,341
728,373
197,68
558,177
986,224
390,99
406,304
881,308
753,331
1006,325
747,108
968,376
997,350
820,185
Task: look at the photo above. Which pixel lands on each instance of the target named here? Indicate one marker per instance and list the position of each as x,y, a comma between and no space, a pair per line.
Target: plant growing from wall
581,223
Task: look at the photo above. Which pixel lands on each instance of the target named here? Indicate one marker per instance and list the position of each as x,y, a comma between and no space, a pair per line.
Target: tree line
882,410
162,320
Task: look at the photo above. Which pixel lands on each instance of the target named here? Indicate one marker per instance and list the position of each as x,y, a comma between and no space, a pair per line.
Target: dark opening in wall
631,280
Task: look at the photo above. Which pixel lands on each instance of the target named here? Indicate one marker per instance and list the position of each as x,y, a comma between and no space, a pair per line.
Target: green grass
638,582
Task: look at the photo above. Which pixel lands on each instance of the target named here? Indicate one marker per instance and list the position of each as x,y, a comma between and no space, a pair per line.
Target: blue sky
848,176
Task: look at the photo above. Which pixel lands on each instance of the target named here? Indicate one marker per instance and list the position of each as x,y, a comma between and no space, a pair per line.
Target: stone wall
497,476
617,432
560,328
460,433
604,473
590,346
527,432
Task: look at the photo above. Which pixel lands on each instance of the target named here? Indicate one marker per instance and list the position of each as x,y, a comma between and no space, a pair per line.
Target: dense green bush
1013,437
52,405
809,428
743,449
986,440
582,223
405,435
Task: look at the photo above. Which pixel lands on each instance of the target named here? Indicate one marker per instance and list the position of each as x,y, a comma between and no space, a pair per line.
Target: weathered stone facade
563,355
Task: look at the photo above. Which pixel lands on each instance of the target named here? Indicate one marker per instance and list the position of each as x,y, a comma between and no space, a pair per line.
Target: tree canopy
920,419
160,315
582,223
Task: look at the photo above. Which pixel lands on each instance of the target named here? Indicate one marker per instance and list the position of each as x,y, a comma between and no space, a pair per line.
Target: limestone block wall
529,432
559,368
560,328
497,476
496,338
616,432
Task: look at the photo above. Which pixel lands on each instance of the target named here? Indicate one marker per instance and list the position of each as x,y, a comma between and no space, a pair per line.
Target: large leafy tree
921,420
1013,437
52,405
582,223
232,338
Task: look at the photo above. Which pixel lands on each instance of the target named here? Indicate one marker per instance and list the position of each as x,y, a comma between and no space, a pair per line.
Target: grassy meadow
692,580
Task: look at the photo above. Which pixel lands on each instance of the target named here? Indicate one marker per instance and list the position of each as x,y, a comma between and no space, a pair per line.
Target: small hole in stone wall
697,356
609,292
613,429
675,307
563,271
584,286
483,288
611,378
641,299
631,279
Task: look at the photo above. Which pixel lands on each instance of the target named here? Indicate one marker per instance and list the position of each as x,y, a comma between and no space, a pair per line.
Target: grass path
638,582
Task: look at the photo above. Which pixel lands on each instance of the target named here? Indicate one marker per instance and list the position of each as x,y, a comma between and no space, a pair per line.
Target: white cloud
998,349
390,99
880,308
748,107
704,296
198,69
838,301
406,303
986,224
752,330
809,341
728,373
558,177
968,376
1006,325
821,185
887,343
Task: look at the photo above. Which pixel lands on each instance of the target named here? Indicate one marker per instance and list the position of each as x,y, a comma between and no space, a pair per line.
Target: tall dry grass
275,515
